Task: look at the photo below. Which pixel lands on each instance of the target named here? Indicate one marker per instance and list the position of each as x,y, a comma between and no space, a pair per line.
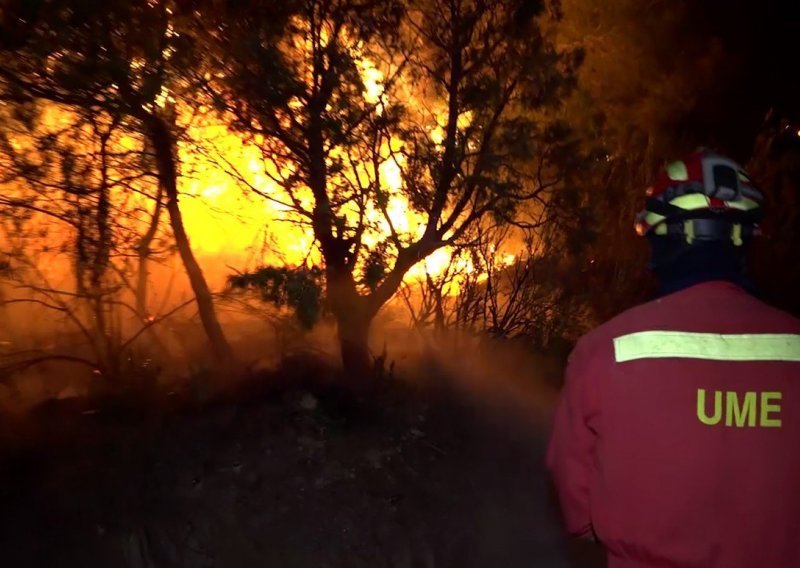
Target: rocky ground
302,477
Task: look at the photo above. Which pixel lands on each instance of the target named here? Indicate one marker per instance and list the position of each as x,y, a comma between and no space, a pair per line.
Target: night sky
762,44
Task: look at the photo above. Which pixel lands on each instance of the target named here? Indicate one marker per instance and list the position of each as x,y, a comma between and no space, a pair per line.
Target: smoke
506,378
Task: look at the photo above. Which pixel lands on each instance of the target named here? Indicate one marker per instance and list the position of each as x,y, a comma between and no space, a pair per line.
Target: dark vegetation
300,476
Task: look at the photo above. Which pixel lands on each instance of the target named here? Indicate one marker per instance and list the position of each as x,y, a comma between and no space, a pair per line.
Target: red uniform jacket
677,436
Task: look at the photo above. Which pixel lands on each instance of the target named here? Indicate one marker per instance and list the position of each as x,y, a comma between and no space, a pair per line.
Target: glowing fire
238,221
229,222
223,218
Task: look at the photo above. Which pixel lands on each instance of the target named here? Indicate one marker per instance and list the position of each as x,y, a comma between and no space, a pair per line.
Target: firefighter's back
698,439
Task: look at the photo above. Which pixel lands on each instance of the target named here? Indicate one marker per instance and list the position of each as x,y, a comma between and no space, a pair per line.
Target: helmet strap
703,229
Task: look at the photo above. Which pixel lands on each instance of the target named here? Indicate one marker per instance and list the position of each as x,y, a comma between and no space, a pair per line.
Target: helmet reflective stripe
661,229
677,171
736,235
695,201
745,204
692,201
689,202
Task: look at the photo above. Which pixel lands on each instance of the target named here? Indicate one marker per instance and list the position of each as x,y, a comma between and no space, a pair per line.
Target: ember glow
227,222
209,163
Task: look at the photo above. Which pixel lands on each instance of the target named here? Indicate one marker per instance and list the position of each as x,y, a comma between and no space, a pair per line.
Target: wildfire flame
227,221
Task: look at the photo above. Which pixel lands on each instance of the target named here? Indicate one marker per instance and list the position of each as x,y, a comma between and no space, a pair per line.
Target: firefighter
676,441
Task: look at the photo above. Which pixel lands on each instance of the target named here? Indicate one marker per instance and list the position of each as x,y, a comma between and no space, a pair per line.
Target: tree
126,59
457,112
775,165
71,189
503,289
644,74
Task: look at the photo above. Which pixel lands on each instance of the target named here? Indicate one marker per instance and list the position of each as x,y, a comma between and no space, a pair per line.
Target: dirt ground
303,477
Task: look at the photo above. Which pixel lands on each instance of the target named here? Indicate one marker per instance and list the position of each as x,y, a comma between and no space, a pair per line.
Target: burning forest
281,249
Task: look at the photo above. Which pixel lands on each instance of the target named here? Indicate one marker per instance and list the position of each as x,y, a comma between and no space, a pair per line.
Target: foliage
128,60
390,130
775,166
529,297
297,288
458,105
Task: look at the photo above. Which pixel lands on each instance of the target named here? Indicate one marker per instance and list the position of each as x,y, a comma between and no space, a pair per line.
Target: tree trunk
164,148
353,319
142,278
143,252
102,255
354,347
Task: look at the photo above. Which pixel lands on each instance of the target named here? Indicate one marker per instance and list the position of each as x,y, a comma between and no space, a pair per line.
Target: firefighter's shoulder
598,342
